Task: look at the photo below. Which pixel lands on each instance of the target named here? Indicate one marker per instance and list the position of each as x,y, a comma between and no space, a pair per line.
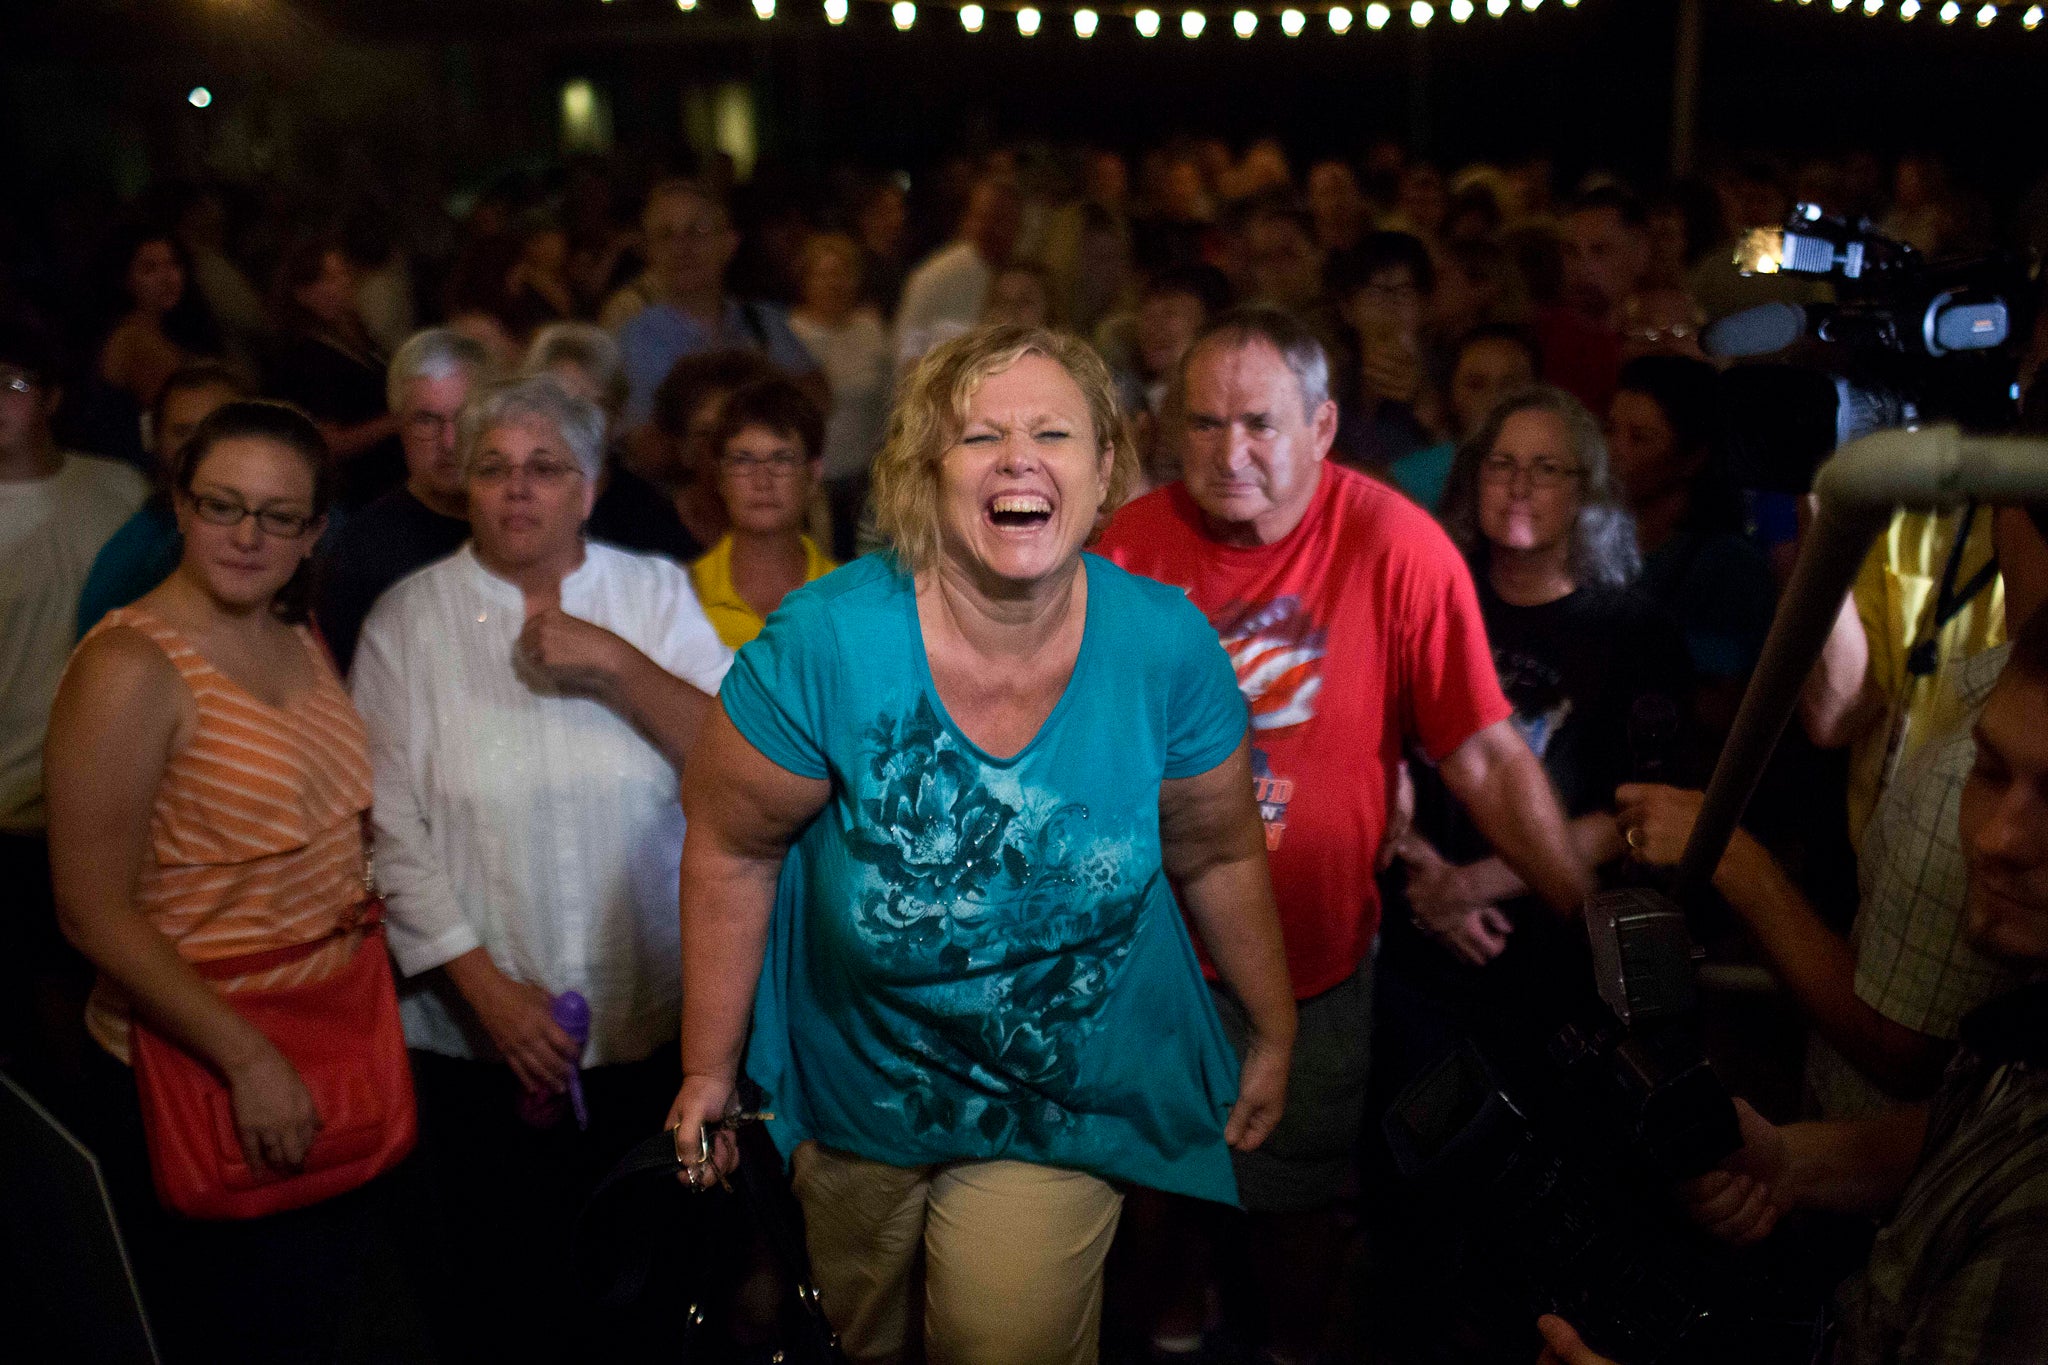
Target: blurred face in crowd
1183,193
1666,230
528,498
182,410
585,385
1529,485
1020,488
1333,196
882,220
426,428
1167,322
1389,304
690,241
26,406
1644,449
1661,322
765,478
1282,259
994,217
1487,371
1107,181
156,281
2004,823
242,566
1018,296
546,252
330,296
1423,201
1604,260
831,279
1252,453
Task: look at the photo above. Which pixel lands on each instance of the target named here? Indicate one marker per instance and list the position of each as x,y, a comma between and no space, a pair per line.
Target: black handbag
642,1229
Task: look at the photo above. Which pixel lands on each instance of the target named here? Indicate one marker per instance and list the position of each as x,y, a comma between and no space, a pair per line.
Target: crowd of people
1061,730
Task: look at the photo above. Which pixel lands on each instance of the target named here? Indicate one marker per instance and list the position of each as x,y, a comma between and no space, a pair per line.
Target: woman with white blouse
531,701
852,346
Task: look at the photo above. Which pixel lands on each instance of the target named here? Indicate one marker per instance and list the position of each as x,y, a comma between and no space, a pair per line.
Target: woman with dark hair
1663,428
164,325
327,363
207,779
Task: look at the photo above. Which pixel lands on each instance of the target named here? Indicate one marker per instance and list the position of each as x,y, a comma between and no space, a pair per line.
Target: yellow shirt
731,616
1895,596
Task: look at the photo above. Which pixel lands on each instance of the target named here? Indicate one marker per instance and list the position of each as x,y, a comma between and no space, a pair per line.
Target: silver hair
1286,334
535,398
435,353
1603,541
589,348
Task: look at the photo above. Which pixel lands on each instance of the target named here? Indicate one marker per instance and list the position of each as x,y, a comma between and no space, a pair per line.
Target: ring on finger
1635,838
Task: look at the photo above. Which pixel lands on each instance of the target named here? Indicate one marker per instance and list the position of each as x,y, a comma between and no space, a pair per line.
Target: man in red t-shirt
1355,630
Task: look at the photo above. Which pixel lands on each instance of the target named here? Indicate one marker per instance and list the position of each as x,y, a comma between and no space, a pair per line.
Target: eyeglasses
546,473
17,383
271,521
781,465
1504,470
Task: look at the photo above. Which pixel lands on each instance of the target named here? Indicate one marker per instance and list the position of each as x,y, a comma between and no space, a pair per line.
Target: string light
1461,10
1028,20
1841,5
835,12
1192,22
1244,23
1530,5
1085,21
199,97
1908,9
1873,7
686,5
1148,23
1950,11
1292,22
1420,13
1376,16
2031,20
971,17
1496,7
764,9
1986,15
904,13
1340,20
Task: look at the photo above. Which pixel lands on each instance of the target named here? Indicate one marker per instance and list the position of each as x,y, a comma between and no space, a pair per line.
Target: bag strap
368,917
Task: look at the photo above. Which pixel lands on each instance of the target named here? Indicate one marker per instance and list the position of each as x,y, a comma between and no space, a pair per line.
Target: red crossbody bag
342,1035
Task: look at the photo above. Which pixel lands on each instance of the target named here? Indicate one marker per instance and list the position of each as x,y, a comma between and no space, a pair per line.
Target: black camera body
1560,1184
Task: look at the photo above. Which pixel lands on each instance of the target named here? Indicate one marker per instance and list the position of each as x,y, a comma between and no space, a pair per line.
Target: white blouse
541,827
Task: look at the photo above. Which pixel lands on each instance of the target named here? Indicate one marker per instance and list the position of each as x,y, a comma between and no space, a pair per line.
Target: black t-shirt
339,387
633,514
368,552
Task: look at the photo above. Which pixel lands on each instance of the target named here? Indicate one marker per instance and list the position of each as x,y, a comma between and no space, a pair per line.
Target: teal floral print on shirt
1009,909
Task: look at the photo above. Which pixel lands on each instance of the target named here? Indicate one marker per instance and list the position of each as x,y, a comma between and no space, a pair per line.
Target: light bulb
1147,21
971,17
1377,15
835,12
1950,11
1192,22
2031,20
1085,23
1244,23
764,9
1908,9
904,13
1420,13
1496,7
1028,20
199,97
1461,10
1292,22
1986,15
1340,20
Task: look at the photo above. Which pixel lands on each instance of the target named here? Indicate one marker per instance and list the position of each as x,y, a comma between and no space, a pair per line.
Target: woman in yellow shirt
768,442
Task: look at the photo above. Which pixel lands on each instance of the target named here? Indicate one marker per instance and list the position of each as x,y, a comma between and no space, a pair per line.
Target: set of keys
731,1123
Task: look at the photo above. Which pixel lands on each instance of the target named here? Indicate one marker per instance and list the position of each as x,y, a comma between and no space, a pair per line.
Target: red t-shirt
1357,629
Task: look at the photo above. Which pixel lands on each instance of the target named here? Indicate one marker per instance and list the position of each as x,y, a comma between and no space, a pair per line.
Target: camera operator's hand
1742,1201
1656,821
1562,1346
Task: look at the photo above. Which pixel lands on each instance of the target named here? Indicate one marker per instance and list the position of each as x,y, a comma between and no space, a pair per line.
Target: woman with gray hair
531,701
939,821
1599,681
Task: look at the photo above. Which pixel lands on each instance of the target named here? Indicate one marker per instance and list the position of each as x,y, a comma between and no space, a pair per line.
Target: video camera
1905,340
1559,1180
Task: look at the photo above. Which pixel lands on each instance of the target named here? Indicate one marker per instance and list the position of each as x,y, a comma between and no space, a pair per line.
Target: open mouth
1020,511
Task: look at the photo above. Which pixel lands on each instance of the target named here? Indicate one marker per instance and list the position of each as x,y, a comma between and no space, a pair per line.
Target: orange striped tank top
256,837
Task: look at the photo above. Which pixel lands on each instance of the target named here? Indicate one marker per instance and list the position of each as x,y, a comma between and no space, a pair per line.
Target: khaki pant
1012,1255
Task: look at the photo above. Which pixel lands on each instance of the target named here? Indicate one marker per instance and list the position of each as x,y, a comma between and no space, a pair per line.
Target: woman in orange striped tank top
207,779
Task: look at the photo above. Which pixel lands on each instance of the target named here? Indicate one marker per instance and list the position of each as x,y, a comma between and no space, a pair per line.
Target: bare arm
1852,1166
347,442
1595,840
1840,702
743,812
1509,797
578,656
1816,964
1213,847
117,720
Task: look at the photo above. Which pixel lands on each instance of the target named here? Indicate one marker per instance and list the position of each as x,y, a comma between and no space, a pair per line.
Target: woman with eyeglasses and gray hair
531,701
944,821
1600,683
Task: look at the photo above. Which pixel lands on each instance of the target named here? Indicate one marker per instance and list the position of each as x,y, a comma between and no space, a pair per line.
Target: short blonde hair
931,412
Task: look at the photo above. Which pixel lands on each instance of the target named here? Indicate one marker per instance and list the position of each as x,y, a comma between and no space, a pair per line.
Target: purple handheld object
572,1016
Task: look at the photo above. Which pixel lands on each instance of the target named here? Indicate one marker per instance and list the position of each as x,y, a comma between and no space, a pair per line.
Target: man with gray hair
427,518
1356,632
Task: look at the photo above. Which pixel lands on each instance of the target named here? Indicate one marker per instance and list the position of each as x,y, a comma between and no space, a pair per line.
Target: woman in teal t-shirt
942,818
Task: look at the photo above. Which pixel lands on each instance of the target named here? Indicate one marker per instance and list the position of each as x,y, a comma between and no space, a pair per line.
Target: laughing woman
941,815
